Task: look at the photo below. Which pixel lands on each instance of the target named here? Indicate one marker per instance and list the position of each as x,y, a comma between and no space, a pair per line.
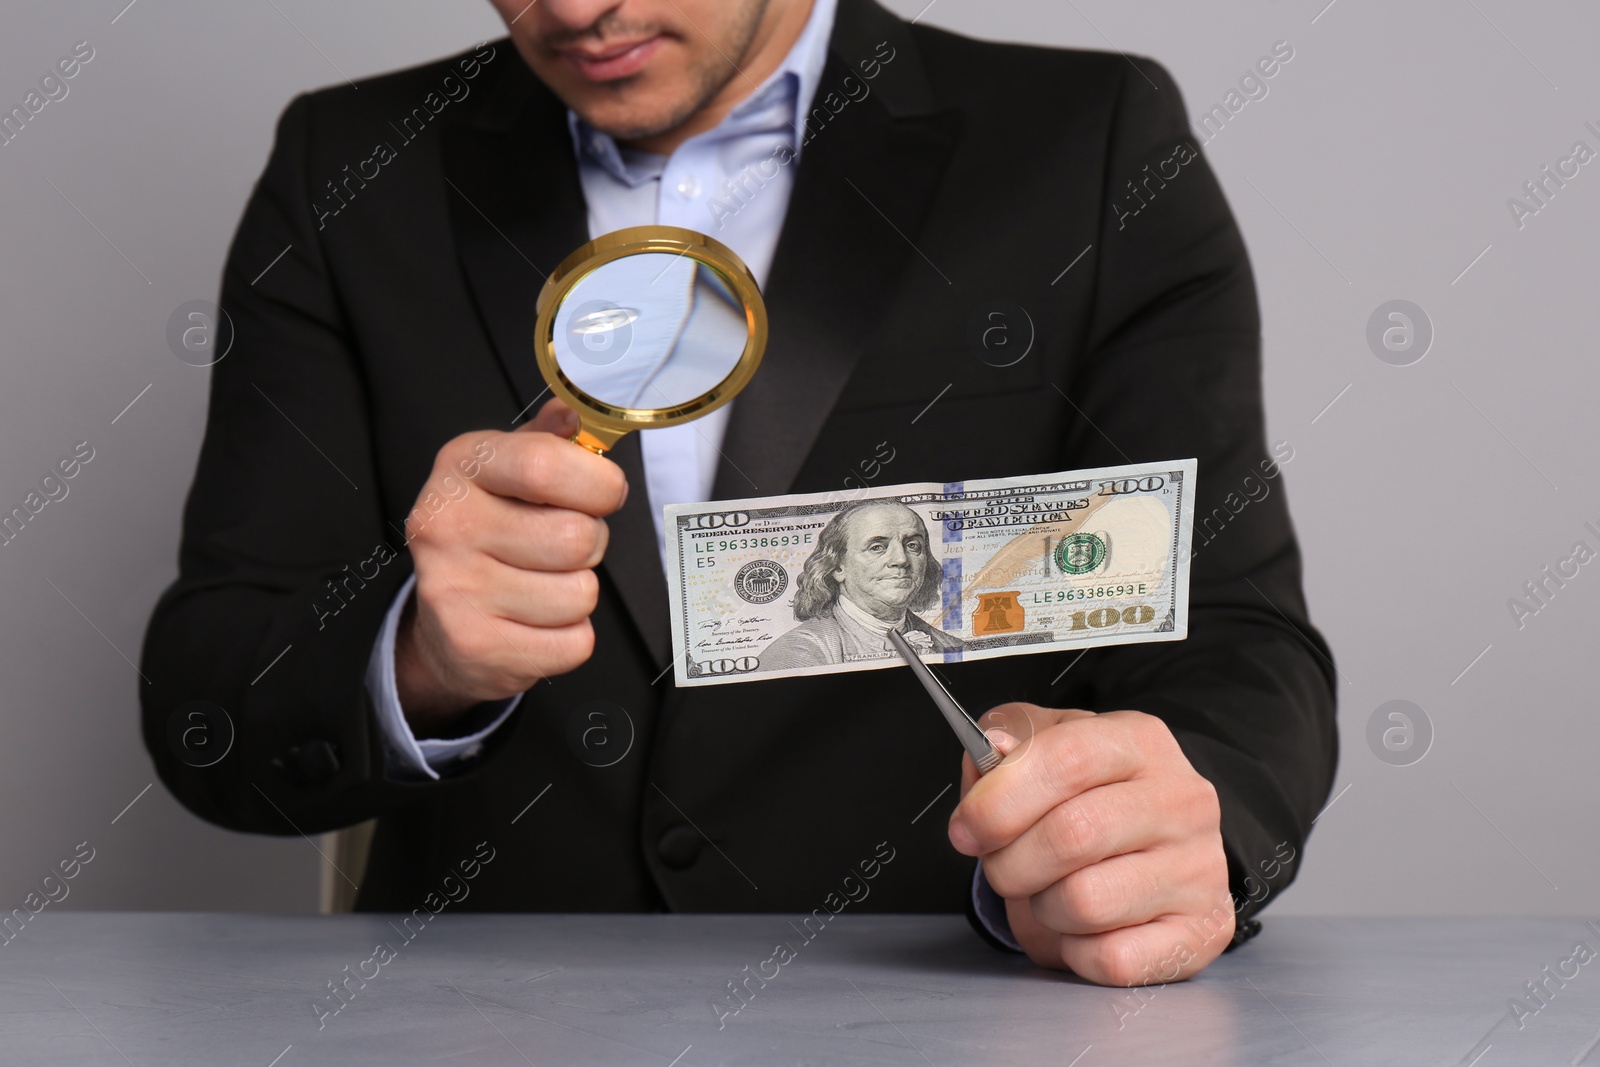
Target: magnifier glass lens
648,326
650,331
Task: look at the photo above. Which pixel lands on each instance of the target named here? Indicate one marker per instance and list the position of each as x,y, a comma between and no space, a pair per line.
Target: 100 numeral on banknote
798,585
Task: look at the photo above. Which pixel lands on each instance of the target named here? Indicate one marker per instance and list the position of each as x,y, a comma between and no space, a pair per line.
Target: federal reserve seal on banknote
761,581
809,584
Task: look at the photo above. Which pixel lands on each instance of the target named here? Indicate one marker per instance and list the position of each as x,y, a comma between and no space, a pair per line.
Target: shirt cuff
990,908
427,757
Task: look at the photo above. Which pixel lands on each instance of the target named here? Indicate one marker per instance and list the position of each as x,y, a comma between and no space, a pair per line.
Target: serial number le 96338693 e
1098,592
706,551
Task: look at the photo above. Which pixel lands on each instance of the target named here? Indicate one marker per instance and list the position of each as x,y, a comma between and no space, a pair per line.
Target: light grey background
1378,167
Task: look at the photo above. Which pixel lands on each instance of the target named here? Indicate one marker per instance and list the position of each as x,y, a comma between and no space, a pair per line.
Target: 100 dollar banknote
797,585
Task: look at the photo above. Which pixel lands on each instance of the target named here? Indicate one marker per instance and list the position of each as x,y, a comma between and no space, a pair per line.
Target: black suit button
680,846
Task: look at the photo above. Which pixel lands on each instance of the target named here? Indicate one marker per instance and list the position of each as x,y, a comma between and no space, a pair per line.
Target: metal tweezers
984,755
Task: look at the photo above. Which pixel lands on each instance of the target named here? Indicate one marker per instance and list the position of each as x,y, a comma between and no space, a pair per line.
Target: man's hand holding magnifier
649,315
1104,841
505,579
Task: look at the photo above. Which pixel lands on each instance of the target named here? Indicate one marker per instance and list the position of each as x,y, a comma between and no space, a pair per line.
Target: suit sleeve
1172,369
287,567
405,753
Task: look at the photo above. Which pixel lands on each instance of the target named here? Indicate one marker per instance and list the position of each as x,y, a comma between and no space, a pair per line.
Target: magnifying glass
647,327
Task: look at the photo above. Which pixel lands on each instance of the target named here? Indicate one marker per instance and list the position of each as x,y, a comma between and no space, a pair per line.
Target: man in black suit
1164,791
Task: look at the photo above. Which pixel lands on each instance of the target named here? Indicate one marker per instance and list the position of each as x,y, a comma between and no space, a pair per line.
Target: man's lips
614,61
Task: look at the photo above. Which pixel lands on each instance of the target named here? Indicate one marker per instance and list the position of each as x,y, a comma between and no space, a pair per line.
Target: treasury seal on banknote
1080,553
761,581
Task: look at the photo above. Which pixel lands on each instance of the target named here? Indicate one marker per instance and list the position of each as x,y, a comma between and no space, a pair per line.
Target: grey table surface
222,989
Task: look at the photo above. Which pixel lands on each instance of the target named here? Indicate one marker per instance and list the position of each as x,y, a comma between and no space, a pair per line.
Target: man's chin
630,109
657,100
632,123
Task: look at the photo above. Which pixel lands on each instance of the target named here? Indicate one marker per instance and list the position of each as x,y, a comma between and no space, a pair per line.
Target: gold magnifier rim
607,423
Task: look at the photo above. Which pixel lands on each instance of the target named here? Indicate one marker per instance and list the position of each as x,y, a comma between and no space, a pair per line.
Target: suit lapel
871,170
517,209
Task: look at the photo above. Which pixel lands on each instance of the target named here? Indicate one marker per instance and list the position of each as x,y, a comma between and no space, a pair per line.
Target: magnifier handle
599,441
589,441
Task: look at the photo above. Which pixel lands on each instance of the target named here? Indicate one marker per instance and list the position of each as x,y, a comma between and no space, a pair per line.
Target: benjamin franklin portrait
871,571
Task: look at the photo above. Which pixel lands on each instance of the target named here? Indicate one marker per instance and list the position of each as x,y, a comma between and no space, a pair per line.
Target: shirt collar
778,104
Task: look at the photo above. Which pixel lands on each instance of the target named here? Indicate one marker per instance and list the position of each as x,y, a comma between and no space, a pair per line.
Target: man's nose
578,14
896,556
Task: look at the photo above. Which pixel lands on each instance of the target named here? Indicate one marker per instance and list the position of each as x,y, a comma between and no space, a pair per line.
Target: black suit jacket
973,173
